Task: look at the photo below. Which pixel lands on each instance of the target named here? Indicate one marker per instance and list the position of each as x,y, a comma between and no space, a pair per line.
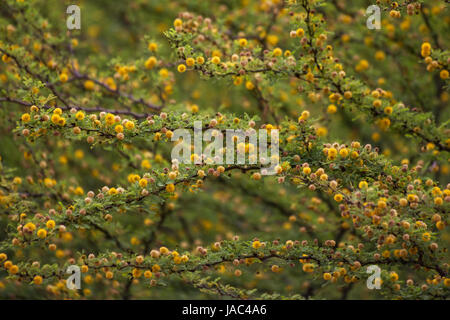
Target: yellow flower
332,153
111,83
381,204
200,60
89,85
256,244
338,197
277,52
331,109
388,110
425,49
308,267
79,115
42,233
30,226
26,117
436,191
145,164
181,68
118,128
380,55
50,224
300,32
348,95
63,77
152,46
412,197
243,42
132,178
444,74
109,119
170,187
113,191
37,280
137,273
194,108
304,115
88,279
49,182
164,73
384,123
57,111
129,125
343,152
178,23
14,269
237,81
447,282
322,131
363,185
215,60
78,191
143,183
150,62
393,276
190,62
156,268
61,121
17,180
362,65
55,118
177,259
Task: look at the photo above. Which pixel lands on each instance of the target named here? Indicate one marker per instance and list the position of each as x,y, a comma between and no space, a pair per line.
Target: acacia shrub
87,124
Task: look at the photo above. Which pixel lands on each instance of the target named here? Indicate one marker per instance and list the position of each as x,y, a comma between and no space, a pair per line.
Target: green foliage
87,119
